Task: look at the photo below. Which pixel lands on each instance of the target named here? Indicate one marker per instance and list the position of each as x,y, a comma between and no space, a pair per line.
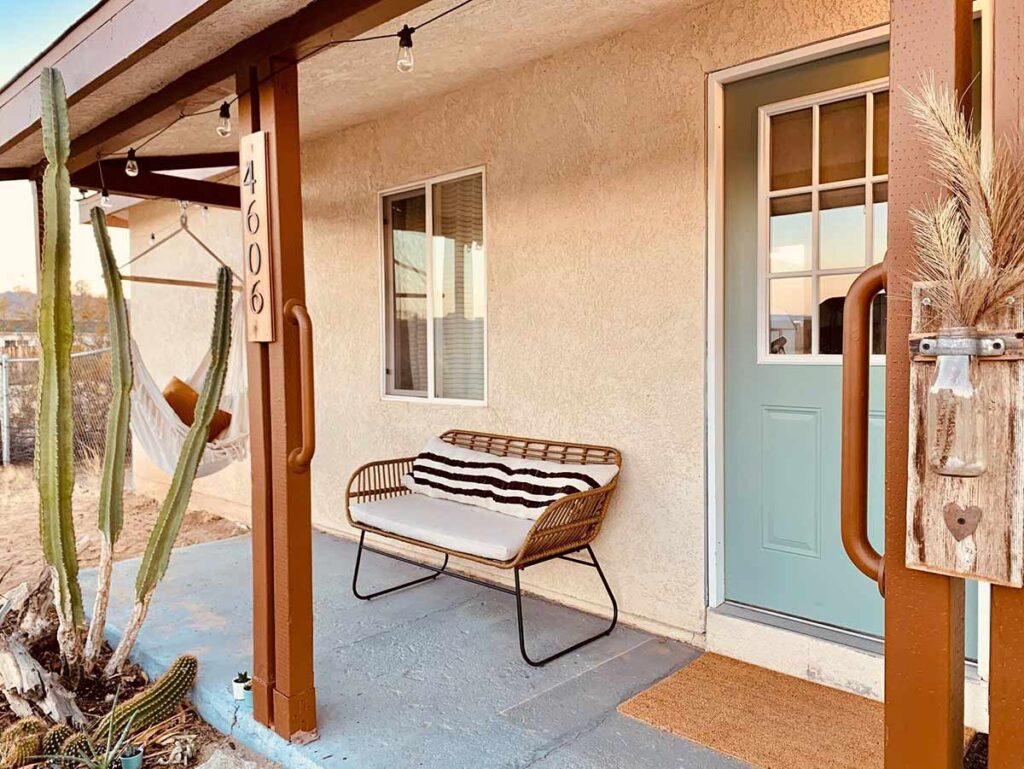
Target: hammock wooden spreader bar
174,282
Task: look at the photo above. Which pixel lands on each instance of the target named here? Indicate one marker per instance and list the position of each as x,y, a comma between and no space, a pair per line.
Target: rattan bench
565,528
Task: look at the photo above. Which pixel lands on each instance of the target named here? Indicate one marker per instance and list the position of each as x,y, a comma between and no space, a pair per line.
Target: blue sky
28,27
31,25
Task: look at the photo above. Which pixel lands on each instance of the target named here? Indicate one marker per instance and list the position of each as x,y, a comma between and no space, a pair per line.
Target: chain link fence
91,392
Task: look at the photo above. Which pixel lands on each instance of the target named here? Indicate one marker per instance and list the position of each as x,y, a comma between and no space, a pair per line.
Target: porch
426,677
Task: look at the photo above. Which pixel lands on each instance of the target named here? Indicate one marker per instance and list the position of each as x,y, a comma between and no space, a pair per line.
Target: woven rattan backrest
534,448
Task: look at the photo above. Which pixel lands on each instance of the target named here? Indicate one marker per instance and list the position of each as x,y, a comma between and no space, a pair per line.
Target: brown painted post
1006,677
247,86
294,695
924,613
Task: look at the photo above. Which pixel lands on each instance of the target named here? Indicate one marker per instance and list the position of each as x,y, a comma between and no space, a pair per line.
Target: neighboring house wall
595,189
172,326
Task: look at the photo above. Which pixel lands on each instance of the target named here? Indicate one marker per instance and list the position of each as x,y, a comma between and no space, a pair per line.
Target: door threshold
859,641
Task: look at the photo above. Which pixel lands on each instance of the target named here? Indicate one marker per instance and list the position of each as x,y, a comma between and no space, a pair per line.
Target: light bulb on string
205,212
405,60
224,125
131,168
105,199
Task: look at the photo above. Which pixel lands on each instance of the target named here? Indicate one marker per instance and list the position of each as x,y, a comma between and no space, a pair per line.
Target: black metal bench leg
436,572
574,647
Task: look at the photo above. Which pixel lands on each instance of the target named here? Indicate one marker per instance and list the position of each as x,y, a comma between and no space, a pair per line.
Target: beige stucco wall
595,180
172,327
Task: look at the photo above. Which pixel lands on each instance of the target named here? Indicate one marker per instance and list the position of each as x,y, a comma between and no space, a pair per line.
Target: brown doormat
767,719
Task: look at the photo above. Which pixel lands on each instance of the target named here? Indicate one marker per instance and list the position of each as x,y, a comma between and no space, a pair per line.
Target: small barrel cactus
54,739
155,704
77,745
20,741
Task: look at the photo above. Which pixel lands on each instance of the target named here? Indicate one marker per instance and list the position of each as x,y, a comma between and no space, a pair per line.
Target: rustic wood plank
969,527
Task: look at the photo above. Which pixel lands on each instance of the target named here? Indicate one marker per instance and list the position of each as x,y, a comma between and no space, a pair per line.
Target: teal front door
806,163
806,191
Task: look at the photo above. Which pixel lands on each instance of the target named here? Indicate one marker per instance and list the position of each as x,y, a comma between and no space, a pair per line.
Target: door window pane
880,153
832,291
789,316
459,290
790,234
880,224
841,228
407,226
791,144
843,139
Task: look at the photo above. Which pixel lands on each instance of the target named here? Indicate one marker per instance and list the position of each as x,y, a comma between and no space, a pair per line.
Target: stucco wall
172,326
595,245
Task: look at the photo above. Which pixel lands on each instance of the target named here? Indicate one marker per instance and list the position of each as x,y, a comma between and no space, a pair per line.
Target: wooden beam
150,185
318,22
924,613
107,41
294,692
1006,668
16,174
188,162
258,370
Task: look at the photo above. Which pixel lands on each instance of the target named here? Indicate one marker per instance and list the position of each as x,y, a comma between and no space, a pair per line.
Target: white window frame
426,185
765,196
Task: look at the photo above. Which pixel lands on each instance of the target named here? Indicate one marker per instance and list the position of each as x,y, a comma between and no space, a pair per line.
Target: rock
224,760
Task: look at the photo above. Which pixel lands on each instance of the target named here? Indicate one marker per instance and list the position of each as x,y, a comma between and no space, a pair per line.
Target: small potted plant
131,757
239,684
247,695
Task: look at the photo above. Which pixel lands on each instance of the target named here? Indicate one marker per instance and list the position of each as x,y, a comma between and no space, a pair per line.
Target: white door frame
715,272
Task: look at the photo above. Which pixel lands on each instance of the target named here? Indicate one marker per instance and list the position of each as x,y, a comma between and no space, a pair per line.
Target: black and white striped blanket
519,487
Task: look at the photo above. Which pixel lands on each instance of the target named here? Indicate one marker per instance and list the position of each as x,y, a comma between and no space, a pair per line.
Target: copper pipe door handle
854,462
299,458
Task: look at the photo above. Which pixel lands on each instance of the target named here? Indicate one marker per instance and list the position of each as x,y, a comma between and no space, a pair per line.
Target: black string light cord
182,115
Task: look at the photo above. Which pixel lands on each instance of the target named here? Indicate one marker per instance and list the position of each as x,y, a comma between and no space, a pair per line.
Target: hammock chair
159,430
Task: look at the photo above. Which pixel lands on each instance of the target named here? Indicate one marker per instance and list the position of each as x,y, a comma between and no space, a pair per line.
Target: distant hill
18,311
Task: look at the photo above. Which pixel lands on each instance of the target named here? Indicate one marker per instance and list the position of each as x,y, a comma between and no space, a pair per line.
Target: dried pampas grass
970,245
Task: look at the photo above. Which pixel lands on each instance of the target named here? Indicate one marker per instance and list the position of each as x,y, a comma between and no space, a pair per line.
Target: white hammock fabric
162,434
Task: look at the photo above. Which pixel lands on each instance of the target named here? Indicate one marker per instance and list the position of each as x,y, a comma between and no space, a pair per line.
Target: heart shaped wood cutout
961,522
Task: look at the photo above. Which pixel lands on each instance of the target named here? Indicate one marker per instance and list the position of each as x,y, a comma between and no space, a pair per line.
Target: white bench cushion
447,524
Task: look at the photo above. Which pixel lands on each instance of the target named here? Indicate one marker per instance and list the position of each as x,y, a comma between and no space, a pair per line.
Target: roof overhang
131,66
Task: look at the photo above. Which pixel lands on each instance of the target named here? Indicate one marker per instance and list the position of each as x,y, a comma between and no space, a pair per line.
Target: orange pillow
183,400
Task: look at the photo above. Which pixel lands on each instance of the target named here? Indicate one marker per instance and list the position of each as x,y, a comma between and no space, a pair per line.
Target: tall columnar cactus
54,460
168,523
111,509
157,703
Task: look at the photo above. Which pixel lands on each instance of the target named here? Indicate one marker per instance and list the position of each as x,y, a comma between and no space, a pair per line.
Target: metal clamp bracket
979,346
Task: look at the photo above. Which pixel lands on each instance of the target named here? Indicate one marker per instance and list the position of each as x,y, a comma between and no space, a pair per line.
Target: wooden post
294,707
924,613
1006,668
247,86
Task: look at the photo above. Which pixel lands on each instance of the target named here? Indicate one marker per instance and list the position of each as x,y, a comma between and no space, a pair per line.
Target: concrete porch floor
426,677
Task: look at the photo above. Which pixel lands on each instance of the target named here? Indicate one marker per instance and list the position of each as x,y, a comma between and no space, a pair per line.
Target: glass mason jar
956,416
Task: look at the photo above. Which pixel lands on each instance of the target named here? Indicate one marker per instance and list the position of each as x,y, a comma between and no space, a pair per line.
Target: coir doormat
767,719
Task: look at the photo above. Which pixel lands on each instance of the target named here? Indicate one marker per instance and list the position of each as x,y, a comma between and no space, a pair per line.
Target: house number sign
256,238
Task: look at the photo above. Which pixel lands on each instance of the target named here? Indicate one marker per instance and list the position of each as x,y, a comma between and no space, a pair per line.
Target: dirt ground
21,557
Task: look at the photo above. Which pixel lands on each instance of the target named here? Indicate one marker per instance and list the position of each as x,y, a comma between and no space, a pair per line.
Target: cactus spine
54,459
54,739
155,704
168,523
111,509
20,741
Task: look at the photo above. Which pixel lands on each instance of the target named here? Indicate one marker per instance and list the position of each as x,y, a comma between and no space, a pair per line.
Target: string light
104,195
405,61
205,212
224,126
131,168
